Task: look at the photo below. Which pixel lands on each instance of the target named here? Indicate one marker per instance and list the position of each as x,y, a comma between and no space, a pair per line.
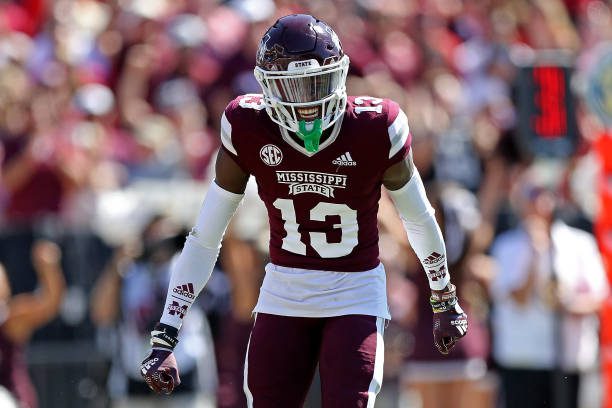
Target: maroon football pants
283,353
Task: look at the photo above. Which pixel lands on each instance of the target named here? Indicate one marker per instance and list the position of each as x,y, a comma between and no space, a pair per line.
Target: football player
319,159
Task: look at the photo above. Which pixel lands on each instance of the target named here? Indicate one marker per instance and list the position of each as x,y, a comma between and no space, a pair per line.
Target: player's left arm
405,187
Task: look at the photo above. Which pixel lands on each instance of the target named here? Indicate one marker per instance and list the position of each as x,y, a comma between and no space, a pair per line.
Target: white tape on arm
423,231
195,263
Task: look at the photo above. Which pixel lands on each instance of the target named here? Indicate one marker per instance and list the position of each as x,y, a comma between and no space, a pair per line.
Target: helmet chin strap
310,133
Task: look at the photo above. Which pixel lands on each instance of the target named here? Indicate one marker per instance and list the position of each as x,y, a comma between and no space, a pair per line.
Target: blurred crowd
109,121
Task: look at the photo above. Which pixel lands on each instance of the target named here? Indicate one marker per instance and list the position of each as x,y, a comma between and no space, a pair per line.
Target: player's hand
449,322
159,368
160,371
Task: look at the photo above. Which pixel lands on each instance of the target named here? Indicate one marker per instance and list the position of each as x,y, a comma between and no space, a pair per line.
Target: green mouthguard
310,137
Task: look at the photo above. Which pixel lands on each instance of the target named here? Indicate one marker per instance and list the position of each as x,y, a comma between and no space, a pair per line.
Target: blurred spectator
128,297
546,293
34,176
24,16
22,314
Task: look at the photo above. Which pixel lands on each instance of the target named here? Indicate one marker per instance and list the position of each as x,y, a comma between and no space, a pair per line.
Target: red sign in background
603,231
550,101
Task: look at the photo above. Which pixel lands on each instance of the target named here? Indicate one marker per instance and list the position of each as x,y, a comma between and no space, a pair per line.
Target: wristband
442,302
164,336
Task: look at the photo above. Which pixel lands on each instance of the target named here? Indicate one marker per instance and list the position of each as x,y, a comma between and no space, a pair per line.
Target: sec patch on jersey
271,155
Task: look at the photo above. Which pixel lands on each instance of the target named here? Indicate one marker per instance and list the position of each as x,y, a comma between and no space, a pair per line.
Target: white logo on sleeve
271,155
147,365
345,160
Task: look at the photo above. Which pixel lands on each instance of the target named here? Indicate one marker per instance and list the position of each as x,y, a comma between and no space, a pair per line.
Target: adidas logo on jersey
345,160
185,291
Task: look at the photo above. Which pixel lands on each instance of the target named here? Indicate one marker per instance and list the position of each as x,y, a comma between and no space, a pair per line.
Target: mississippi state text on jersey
322,206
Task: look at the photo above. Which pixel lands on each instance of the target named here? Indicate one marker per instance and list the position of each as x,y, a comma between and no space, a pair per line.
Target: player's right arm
229,176
192,270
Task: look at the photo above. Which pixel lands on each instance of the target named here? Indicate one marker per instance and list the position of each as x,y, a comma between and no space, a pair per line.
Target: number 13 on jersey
292,242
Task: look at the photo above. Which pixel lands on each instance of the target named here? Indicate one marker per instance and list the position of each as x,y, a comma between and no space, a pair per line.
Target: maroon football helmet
302,71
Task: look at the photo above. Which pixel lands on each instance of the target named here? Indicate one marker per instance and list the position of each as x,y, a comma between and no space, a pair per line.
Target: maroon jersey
322,206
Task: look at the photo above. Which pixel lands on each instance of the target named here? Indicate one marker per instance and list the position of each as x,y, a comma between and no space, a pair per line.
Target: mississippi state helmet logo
271,155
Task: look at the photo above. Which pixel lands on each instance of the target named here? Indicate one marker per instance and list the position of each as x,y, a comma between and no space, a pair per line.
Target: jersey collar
334,134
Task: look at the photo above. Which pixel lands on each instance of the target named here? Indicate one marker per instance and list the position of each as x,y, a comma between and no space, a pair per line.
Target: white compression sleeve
423,231
195,263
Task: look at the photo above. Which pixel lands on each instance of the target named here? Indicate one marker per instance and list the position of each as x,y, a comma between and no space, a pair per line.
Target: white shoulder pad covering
226,134
423,231
398,133
195,263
